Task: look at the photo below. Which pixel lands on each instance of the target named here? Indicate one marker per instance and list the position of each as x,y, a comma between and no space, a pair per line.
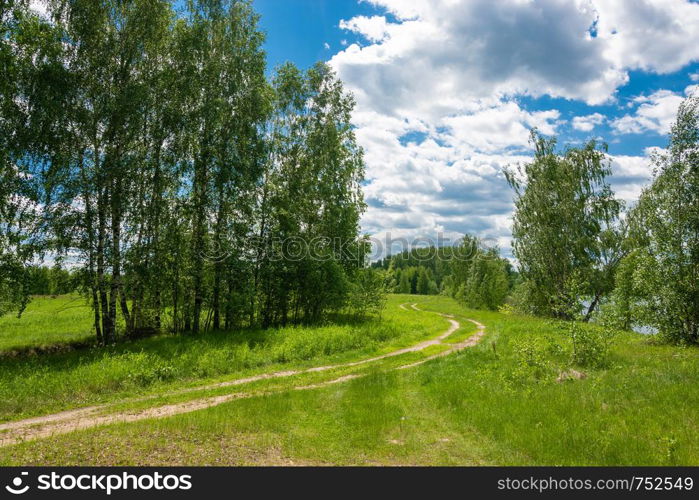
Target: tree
566,227
404,283
367,293
221,69
310,202
96,164
479,276
12,296
423,282
30,68
662,275
150,147
487,285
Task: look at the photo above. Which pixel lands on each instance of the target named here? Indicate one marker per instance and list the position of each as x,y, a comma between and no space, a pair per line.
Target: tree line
474,275
146,146
583,254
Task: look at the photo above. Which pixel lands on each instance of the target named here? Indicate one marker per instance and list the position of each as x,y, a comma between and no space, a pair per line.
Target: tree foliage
659,280
147,148
567,235
474,275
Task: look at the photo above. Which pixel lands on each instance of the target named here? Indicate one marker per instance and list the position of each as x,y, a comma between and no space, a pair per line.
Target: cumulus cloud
39,7
630,174
655,113
588,122
438,85
498,127
653,35
374,29
468,51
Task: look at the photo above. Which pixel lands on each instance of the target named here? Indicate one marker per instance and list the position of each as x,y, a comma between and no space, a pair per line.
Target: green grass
497,403
47,321
34,385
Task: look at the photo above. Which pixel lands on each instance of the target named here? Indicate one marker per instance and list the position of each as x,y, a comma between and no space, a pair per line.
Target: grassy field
497,403
47,321
35,385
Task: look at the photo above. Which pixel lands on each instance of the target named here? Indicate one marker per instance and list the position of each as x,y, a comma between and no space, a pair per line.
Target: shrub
590,347
531,360
367,294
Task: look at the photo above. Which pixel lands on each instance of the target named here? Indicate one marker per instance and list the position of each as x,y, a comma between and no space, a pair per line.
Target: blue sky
447,90
297,30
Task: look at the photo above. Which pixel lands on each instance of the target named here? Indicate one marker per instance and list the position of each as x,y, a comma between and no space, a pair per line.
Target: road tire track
92,416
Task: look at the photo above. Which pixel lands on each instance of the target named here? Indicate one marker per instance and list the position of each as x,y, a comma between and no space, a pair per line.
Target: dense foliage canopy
567,233
147,148
659,280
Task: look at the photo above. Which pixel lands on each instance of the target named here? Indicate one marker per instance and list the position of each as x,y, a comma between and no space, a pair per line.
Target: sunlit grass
47,321
485,405
32,385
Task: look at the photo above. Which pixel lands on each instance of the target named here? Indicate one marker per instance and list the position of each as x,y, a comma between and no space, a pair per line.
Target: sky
447,90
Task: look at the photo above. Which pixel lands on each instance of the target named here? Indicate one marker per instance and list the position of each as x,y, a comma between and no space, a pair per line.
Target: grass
33,385
47,321
497,403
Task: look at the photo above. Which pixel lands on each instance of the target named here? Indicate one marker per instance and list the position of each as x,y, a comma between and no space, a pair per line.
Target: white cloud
630,174
655,113
326,46
497,128
437,81
588,122
464,52
447,179
374,29
694,76
40,7
652,35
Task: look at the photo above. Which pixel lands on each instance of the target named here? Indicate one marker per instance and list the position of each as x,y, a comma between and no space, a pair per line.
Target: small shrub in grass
669,447
507,309
554,348
157,372
215,361
367,293
590,347
531,361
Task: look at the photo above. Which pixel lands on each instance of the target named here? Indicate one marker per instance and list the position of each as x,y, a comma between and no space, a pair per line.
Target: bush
519,300
590,347
531,360
507,309
367,294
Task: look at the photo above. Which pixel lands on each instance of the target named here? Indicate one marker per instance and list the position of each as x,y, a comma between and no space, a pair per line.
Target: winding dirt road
92,416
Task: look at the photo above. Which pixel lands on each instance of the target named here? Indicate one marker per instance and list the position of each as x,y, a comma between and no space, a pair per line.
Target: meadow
500,402
32,384
48,322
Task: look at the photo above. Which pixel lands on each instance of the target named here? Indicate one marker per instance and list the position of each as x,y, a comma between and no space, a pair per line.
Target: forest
476,276
145,149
